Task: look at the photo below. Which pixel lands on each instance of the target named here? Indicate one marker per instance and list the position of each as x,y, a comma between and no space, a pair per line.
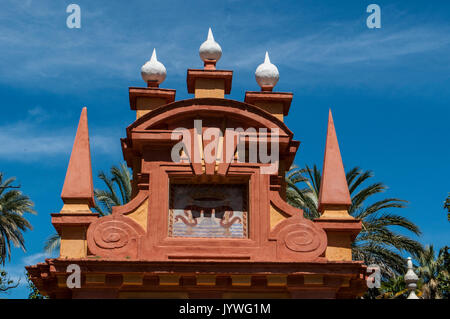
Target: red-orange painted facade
131,254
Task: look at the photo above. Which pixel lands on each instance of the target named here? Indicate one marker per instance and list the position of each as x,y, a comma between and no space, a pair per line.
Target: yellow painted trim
313,279
276,216
241,280
62,281
73,242
219,153
276,280
133,279
95,278
345,282
336,214
147,104
153,295
274,108
169,280
206,280
339,247
140,215
75,206
209,88
256,295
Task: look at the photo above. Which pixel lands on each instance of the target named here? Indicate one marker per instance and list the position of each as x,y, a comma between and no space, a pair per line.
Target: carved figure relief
208,211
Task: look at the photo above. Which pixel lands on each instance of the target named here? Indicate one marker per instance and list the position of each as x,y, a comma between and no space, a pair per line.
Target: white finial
267,74
153,71
210,35
411,280
154,58
410,264
267,59
210,49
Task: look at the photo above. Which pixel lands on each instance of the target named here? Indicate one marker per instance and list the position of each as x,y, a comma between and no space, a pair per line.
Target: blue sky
388,88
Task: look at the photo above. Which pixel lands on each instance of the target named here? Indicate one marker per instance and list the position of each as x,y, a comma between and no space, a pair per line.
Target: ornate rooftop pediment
208,212
241,113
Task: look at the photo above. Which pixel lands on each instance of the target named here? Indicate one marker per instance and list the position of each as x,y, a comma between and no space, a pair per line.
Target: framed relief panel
211,211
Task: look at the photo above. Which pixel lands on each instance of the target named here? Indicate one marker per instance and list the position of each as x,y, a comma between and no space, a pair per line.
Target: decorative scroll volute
117,236
299,239
114,236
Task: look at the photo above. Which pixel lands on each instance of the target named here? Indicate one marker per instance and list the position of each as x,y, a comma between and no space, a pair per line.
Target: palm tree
377,243
433,271
118,193
34,293
394,288
6,283
443,277
13,205
53,243
433,275
447,206
121,181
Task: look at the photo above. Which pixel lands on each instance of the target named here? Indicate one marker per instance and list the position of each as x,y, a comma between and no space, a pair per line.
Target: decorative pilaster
144,100
276,103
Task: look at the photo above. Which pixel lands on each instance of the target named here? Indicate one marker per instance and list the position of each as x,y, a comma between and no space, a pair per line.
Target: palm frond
13,206
53,243
377,242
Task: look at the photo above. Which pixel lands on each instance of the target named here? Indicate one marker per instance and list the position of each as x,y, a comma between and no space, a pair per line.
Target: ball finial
153,72
267,74
210,51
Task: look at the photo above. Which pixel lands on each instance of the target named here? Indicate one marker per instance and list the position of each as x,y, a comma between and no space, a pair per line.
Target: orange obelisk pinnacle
334,191
78,186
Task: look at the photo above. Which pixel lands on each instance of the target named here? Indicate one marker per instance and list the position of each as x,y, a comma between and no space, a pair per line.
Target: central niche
208,210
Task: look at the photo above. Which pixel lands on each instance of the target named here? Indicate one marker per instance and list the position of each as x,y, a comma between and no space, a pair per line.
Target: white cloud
35,258
38,49
28,142
340,49
16,272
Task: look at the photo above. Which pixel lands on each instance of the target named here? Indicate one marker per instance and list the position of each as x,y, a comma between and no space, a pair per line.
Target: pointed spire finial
153,72
267,74
267,59
78,184
154,58
210,35
210,51
333,188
